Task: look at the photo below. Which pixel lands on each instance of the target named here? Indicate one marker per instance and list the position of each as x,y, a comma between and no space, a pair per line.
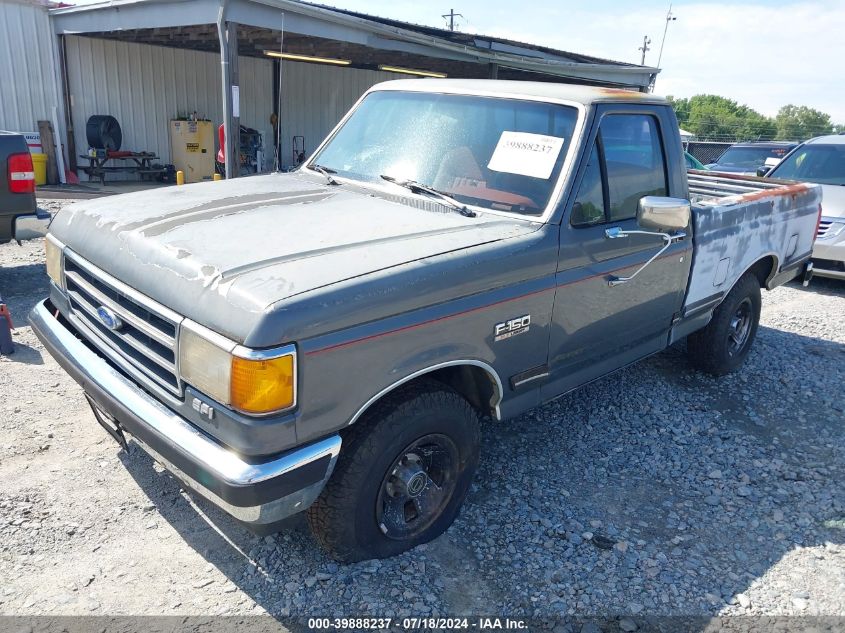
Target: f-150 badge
512,327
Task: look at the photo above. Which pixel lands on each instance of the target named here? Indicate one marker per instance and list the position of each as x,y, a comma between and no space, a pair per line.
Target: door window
626,163
589,206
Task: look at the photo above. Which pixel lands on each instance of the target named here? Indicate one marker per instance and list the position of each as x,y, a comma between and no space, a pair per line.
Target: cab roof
522,89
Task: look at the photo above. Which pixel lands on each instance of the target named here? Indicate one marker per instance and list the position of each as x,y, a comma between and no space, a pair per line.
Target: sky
762,54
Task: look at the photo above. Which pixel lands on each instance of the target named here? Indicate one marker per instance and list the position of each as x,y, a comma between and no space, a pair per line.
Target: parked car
692,162
747,158
20,218
822,160
330,340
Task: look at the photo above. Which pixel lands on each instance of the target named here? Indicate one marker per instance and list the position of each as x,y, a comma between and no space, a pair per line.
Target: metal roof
480,41
531,89
294,16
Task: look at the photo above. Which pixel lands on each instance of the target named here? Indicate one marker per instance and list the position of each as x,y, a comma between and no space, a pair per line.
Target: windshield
502,154
752,157
823,164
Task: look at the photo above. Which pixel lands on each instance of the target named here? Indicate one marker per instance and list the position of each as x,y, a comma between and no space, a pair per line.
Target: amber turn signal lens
263,386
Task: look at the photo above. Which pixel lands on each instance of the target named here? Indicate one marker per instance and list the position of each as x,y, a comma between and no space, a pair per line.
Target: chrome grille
830,227
824,227
145,344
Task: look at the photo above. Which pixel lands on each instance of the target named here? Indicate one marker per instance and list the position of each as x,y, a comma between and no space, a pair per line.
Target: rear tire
722,346
402,475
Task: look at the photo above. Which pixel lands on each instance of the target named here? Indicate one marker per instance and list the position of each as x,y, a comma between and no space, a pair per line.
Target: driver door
596,327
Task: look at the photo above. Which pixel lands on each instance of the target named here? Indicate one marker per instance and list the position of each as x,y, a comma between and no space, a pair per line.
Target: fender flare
488,369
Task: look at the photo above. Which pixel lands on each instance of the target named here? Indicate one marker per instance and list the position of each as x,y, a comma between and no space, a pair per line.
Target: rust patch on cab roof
621,92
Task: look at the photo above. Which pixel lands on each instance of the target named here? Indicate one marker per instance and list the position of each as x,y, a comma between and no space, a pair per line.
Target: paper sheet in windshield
526,154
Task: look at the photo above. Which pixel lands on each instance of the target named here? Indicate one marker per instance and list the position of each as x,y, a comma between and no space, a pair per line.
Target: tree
798,123
715,118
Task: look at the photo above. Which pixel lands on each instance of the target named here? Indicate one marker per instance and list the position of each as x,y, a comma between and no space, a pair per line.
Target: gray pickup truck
331,340
20,218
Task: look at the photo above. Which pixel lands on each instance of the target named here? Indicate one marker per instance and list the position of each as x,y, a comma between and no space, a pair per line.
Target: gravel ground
656,491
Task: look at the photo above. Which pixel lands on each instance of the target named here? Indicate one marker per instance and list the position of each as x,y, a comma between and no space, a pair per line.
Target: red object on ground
6,344
4,312
221,138
21,173
71,178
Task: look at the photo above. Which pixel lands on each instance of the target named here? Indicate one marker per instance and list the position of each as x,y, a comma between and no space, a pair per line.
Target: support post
68,111
48,147
227,33
233,133
493,72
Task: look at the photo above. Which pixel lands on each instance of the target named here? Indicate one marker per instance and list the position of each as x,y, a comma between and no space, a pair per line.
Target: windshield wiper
417,187
326,171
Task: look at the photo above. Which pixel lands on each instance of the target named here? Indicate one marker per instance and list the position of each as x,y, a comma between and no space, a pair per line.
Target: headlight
54,259
254,382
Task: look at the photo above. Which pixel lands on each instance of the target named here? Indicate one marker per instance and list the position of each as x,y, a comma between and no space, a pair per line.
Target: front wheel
402,474
722,346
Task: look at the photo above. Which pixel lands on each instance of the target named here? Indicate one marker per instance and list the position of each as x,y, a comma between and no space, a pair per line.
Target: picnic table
140,163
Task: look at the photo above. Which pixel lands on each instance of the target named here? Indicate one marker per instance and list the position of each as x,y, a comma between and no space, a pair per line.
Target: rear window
750,156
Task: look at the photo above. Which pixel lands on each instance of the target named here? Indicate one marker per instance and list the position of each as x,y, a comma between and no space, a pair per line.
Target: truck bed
738,220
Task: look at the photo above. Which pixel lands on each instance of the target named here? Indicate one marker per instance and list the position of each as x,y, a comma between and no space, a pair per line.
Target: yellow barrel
39,164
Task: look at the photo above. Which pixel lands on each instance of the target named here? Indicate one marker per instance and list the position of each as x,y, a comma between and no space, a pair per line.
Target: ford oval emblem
109,318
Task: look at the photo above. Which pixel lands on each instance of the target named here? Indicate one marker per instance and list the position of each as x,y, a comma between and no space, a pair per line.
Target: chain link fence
707,151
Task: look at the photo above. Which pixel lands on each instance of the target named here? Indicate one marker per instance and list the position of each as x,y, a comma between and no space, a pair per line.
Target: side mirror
661,214
763,170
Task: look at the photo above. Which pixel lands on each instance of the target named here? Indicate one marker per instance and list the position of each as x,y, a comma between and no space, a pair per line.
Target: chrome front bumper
258,493
831,249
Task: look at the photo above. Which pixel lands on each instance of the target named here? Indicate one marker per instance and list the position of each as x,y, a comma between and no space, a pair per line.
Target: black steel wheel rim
417,487
739,328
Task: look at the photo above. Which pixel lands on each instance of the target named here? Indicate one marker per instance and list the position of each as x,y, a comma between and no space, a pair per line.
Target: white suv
822,160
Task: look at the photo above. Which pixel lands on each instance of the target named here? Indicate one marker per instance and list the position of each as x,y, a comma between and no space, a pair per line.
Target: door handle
616,232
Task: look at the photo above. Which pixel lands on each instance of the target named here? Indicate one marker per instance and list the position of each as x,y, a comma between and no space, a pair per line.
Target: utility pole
452,15
644,48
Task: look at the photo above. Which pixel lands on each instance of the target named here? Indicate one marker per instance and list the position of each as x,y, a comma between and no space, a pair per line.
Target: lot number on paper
526,154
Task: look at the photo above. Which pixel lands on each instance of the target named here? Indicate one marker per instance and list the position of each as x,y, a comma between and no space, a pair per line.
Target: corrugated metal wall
28,78
144,87
316,96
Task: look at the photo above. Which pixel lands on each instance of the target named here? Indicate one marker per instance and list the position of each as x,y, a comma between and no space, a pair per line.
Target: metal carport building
147,61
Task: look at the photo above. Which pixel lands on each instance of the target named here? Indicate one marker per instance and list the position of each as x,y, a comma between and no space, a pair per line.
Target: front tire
722,346
402,475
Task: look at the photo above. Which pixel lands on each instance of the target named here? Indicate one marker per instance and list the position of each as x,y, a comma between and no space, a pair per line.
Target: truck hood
222,253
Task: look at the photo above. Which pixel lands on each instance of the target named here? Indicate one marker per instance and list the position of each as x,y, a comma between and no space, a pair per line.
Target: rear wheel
722,346
402,474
